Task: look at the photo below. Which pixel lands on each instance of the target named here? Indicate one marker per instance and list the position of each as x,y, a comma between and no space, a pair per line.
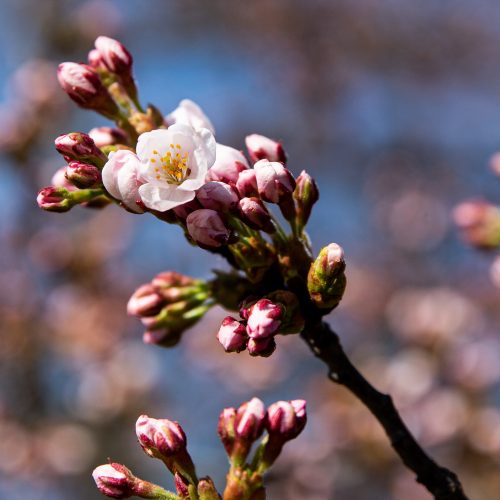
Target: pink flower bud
255,214
59,179
114,55
261,147
108,136
83,175
95,60
207,228
274,181
232,335
225,429
286,419
247,183
83,85
79,146
114,480
264,319
228,164
217,196
54,199
145,301
261,347
160,438
249,420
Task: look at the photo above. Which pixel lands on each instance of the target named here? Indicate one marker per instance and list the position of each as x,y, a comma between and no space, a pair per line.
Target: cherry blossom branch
325,344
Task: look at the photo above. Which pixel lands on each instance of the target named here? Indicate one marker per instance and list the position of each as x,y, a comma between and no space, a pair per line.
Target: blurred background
394,107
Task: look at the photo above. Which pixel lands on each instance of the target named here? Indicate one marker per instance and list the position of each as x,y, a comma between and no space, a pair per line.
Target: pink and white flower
189,113
170,165
174,163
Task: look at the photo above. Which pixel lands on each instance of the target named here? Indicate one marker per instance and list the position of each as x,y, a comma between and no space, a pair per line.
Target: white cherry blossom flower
189,113
174,163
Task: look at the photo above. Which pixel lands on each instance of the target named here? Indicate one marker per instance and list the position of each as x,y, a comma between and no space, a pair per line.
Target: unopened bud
108,136
261,347
247,183
118,60
59,179
225,429
83,175
207,228
255,214
238,429
83,85
326,280
145,301
232,335
274,181
264,319
228,164
218,196
286,419
249,420
306,194
262,148
95,60
80,147
207,490
54,199
160,438
113,54
114,480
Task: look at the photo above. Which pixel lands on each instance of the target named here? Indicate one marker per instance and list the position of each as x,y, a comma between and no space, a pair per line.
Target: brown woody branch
325,344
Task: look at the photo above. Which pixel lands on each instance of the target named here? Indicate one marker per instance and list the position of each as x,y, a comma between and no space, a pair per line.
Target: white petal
156,139
189,113
206,141
164,198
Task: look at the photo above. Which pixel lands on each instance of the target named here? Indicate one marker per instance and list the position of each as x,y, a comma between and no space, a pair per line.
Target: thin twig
325,344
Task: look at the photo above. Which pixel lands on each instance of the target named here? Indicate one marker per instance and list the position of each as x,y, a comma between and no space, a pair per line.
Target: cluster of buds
226,201
261,320
238,429
168,305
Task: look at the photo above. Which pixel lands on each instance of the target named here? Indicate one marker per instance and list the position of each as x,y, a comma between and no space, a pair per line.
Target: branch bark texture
325,344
